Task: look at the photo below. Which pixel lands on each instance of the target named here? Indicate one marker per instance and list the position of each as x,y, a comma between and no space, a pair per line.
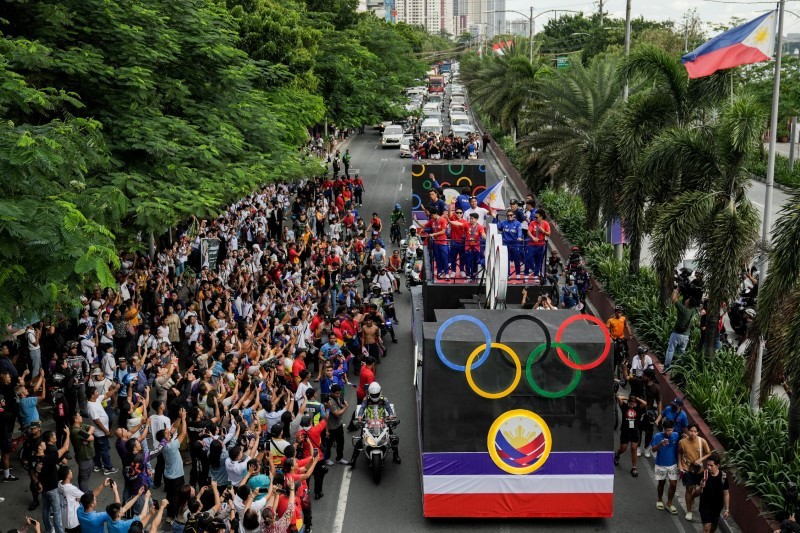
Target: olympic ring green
529,373
427,185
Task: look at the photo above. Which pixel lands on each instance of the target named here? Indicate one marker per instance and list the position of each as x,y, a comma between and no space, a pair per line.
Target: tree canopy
122,119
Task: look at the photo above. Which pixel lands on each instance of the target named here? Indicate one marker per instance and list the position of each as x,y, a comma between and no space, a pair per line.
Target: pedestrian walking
665,444
714,497
692,453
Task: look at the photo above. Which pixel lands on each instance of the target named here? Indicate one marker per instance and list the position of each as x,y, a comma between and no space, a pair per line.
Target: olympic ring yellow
494,395
421,172
490,440
469,180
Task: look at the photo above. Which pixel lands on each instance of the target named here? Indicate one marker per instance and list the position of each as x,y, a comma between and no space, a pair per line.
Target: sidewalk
646,470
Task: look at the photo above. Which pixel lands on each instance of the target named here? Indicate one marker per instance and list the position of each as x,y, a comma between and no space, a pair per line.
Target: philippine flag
493,197
749,43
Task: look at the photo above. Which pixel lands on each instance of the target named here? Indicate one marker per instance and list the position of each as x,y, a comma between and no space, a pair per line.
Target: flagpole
766,224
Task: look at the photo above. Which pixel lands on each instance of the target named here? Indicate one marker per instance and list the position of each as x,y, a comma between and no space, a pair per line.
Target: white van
392,135
459,120
431,125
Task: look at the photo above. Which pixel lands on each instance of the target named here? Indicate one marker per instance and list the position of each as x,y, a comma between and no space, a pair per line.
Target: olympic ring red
606,348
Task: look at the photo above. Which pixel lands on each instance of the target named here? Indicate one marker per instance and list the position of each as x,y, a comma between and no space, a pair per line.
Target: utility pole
530,36
766,224
619,248
601,14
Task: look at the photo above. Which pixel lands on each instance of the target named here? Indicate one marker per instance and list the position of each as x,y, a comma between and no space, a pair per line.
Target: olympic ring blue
419,201
482,168
486,334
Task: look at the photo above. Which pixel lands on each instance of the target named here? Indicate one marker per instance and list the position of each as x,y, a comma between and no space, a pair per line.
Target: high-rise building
518,27
495,17
435,15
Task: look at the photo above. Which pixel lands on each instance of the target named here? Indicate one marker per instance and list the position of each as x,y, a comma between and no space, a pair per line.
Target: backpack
197,523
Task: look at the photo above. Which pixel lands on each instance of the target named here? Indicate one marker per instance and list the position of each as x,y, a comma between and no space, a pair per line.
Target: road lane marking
401,187
341,506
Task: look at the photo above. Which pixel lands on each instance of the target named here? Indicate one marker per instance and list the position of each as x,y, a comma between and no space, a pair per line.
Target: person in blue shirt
90,520
462,200
115,511
665,444
676,414
435,204
376,239
511,230
27,403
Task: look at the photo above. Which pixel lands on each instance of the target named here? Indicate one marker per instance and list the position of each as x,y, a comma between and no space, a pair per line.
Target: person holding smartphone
665,443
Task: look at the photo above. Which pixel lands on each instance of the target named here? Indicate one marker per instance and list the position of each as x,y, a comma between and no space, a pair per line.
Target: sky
709,11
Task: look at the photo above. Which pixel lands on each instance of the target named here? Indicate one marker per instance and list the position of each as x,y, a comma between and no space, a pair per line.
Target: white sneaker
451,275
638,452
463,274
647,452
688,516
329,462
344,461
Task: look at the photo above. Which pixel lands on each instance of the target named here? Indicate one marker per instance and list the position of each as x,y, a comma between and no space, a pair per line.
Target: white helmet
374,391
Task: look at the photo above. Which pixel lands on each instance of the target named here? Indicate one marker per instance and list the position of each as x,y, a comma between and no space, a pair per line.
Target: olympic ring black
504,325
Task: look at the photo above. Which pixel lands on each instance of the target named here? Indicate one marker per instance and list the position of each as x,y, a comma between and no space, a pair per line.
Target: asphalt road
352,502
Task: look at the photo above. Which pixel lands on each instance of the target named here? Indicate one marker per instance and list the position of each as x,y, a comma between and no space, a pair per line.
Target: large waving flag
493,197
749,43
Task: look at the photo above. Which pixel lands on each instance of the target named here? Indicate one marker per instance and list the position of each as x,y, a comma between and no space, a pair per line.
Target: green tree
565,127
712,209
662,98
778,314
505,84
50,248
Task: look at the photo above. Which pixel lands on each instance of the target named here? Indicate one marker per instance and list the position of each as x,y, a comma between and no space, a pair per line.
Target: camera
689,288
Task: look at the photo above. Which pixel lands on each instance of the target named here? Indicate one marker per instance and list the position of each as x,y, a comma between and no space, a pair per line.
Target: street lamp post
531,22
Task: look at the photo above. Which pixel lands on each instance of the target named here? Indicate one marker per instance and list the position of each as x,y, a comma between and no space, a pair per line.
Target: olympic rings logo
570,359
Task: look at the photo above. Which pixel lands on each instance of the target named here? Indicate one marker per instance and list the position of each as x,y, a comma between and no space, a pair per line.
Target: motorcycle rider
397,215
375,405
382,304
620,330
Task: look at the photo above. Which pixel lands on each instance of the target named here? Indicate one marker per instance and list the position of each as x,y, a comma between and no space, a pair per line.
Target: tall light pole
531,22
627,53
766,225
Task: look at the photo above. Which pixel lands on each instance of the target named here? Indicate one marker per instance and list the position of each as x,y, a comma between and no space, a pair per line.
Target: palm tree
710,206
663,97
778,315
565,124
504,85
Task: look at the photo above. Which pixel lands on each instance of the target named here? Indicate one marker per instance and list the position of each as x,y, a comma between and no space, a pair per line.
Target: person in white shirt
473,208
108,363
102,457
641,362
147,341
71,497
158,422
236,463
193,331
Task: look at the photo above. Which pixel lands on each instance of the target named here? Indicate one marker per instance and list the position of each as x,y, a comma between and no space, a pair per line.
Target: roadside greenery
717,388
122,119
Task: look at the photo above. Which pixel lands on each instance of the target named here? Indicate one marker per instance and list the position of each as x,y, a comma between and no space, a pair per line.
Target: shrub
716,387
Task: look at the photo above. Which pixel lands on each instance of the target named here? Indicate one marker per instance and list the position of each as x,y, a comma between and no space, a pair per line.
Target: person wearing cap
385,280
674,412
641,362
